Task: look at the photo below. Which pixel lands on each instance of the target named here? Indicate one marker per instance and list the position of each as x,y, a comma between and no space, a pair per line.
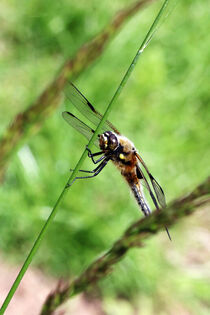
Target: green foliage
164,109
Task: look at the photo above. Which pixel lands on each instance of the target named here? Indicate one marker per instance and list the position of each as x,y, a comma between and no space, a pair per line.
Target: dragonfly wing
158,191
86,108
157,188
145,183
80,126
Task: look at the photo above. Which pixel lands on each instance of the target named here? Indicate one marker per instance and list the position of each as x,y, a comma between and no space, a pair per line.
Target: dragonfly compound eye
103,141
113,141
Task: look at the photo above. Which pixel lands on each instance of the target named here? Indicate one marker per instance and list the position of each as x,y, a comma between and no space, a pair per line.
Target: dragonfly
117,148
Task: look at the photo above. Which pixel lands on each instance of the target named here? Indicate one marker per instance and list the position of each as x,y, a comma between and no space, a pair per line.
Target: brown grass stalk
134,236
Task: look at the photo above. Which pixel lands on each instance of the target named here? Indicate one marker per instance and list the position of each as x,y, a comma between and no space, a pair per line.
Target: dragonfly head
108,141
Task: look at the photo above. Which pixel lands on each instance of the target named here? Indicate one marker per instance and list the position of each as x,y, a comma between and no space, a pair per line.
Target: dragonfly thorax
108,141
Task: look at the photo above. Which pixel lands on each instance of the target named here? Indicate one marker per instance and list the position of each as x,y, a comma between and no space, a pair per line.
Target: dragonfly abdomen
140,199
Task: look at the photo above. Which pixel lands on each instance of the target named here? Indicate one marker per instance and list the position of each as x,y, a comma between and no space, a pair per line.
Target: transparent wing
80,126
157,188
145,183
158,191
86,108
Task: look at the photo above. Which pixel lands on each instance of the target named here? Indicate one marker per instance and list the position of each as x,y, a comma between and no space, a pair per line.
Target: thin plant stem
35,247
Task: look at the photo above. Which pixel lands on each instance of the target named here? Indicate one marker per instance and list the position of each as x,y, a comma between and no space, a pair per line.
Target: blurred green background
164,110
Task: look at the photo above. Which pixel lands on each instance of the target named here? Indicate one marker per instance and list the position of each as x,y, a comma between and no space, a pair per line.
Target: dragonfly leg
85,171
91,155
95,172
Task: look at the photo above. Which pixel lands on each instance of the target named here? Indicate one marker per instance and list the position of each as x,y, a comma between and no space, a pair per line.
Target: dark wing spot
138,173
91,106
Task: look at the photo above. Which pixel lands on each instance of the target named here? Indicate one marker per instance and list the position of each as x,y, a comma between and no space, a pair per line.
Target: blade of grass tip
35,247
154,27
